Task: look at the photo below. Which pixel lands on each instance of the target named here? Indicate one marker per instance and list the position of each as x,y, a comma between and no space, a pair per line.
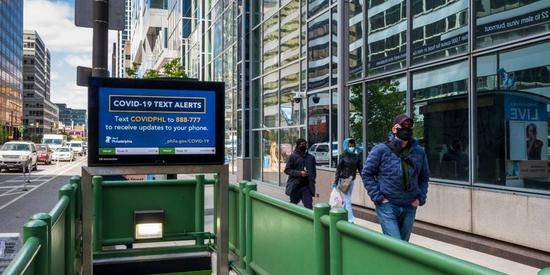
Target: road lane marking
75,164
40,176
13,194
16,186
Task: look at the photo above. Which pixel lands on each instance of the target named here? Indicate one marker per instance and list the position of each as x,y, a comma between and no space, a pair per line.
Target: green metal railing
283,238
51,240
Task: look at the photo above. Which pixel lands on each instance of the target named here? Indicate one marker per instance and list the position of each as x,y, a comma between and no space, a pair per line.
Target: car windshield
62,150
41,147
76,145
53,141
16,147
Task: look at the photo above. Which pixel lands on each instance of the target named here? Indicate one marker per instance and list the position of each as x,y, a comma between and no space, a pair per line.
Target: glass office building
11,67
474,74
475,80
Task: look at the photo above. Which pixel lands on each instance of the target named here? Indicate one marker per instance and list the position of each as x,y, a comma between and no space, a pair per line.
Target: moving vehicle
44,153
18,154
77,147
63,153
54,141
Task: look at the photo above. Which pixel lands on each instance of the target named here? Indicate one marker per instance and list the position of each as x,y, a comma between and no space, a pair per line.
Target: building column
343,52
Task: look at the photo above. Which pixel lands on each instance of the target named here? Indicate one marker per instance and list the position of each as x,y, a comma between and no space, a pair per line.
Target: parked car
44,153
63,153
16,154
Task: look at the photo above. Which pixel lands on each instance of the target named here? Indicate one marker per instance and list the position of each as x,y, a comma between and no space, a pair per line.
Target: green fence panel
234,218
57,246
282,240
364,251
119,200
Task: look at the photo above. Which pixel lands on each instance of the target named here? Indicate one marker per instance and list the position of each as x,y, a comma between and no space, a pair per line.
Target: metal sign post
222,205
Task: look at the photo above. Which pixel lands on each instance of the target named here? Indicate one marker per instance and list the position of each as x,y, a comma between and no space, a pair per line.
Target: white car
77,147
63,153
18,154
322,153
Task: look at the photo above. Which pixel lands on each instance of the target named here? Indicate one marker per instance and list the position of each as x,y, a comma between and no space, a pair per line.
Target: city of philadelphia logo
110,140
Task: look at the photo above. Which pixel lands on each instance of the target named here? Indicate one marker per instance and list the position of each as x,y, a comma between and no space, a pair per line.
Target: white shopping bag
335,199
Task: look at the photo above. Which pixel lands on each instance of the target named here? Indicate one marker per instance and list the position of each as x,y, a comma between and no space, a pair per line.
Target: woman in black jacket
349,164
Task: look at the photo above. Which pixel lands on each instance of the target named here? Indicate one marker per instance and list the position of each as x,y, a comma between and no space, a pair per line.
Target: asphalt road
18,205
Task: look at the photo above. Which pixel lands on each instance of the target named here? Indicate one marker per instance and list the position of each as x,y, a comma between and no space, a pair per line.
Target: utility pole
100,38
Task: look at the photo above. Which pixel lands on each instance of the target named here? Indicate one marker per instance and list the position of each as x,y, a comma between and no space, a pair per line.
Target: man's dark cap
401,118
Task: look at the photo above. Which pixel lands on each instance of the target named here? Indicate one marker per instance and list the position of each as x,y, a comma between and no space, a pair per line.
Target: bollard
70,255
321,238
241,220
544,271
336,215
97,228
39,229
248,223
46,218
199,207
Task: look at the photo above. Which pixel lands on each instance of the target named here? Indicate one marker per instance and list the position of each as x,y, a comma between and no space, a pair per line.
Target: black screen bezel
165,84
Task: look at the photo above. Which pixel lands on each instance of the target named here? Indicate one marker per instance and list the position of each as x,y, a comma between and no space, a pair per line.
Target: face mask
351,150
404,134
302,148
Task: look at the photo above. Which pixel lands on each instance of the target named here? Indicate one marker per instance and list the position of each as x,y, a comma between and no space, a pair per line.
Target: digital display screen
156,123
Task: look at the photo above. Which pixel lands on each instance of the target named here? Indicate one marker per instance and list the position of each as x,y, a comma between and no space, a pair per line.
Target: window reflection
270,34
270,165
290,33
386,100
386,37
512,113
318,52
315,6
440,99
355,38
318,127
290,107
440,28
503,21
288,138
270,99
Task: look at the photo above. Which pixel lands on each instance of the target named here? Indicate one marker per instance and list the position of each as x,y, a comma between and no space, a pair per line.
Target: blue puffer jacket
383,177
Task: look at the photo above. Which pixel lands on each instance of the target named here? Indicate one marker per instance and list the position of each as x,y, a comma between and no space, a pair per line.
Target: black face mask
302,148
404,134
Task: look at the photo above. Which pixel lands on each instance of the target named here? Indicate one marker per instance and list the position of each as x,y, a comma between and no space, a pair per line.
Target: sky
69,46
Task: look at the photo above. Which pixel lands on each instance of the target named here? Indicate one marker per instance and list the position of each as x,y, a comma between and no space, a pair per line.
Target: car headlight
22,157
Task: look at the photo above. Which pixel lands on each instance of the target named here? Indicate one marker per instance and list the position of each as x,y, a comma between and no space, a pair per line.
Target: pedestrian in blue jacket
396,177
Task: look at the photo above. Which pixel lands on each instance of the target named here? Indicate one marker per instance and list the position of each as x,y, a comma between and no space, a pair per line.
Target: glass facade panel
270,150
318,52
440,29
503,21
355,39
356,94
315,6
386,99
271,43
290,108
270,99
318,127
290,32
513,90
288,141
386,36
440,99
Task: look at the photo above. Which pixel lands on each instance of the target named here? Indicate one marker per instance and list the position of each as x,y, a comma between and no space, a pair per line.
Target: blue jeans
396,221
347,202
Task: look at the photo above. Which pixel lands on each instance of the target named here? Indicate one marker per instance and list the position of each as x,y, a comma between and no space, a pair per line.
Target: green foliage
132,71
174,69
36,138
385,102
151,74
4,135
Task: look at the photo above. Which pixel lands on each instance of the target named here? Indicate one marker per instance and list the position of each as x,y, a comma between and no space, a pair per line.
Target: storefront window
270,99
440,29
503,21
387,36
440,98
513,90
355,39
386,100
318,52
356,117
270,153
318,127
